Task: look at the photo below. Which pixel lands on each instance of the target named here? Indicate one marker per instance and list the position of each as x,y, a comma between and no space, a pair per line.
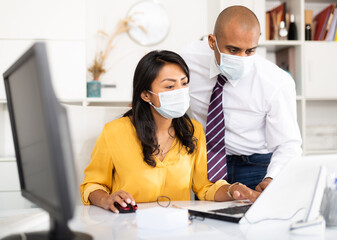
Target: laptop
289,196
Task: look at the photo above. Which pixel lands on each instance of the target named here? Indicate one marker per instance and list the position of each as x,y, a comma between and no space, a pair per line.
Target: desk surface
102,224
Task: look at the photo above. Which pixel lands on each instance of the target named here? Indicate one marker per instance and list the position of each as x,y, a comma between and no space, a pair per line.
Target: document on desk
171,223
162,219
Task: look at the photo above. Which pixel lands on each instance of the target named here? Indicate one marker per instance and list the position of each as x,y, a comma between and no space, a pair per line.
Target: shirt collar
214,71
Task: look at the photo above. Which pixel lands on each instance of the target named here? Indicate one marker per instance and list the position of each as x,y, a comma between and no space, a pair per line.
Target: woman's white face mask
234,67
173,104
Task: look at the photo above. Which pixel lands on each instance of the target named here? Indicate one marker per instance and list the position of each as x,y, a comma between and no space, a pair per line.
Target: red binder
321,21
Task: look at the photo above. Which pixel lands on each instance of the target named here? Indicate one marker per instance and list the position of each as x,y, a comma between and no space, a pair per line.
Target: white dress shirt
259,108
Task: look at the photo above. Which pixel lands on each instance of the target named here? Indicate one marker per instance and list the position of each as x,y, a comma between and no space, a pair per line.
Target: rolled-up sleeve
98,174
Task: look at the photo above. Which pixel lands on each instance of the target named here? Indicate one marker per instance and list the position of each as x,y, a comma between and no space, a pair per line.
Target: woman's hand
102,199
122,198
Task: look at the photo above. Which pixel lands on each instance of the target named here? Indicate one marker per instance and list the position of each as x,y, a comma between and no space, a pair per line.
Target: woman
155,149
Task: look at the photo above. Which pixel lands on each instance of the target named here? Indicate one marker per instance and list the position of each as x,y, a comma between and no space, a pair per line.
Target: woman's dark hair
146,72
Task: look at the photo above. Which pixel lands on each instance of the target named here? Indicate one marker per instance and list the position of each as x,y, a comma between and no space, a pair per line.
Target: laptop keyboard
233,210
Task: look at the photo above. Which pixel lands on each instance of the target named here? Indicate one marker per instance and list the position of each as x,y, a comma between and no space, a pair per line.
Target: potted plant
97,68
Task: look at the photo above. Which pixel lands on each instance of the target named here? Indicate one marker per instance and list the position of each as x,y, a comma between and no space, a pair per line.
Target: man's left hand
262,185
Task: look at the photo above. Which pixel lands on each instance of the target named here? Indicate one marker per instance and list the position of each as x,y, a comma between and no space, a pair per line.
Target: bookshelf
314,71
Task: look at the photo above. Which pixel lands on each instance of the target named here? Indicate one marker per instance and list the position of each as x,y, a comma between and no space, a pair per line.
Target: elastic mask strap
152,92
216,44
152,104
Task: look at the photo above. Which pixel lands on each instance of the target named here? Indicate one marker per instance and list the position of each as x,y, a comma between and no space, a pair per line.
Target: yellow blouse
117,164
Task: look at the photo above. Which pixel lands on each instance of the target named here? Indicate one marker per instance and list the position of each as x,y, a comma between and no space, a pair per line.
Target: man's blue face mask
234,67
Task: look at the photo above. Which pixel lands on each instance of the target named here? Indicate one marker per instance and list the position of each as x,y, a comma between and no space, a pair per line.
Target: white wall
188,21
70,27
61,24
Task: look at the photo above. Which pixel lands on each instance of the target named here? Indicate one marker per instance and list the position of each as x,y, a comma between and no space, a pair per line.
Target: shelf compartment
320,152
322,137
7,159
321,126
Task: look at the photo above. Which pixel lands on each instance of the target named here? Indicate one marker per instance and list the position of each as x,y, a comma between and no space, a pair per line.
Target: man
257,115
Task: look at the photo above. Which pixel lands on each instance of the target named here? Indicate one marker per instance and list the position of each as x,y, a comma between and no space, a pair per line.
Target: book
267,26
332,30
276,15
285,59
308,16
321,20
328,25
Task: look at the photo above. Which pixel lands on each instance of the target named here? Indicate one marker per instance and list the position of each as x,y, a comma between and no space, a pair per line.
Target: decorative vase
94,89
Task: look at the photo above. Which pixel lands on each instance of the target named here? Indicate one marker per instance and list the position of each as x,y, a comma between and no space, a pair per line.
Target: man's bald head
239,15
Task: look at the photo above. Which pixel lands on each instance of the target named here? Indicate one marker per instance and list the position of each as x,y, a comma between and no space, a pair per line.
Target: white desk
102,224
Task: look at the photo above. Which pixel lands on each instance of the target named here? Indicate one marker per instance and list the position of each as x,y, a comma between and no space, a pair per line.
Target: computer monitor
42,143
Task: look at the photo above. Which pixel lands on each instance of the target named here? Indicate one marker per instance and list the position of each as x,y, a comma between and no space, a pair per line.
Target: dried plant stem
97,67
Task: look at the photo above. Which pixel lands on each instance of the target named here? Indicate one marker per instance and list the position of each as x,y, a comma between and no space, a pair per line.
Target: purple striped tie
215,134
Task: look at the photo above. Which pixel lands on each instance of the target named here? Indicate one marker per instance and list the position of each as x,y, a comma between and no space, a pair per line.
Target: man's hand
241,191
262,185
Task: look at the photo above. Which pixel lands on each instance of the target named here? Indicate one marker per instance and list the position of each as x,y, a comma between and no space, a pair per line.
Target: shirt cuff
214,188
90,189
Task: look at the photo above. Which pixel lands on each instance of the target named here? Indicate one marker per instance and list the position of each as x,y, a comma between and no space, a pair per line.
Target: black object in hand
128,209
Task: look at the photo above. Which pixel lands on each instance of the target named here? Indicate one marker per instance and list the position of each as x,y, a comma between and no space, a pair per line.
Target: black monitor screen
42,142
31,138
